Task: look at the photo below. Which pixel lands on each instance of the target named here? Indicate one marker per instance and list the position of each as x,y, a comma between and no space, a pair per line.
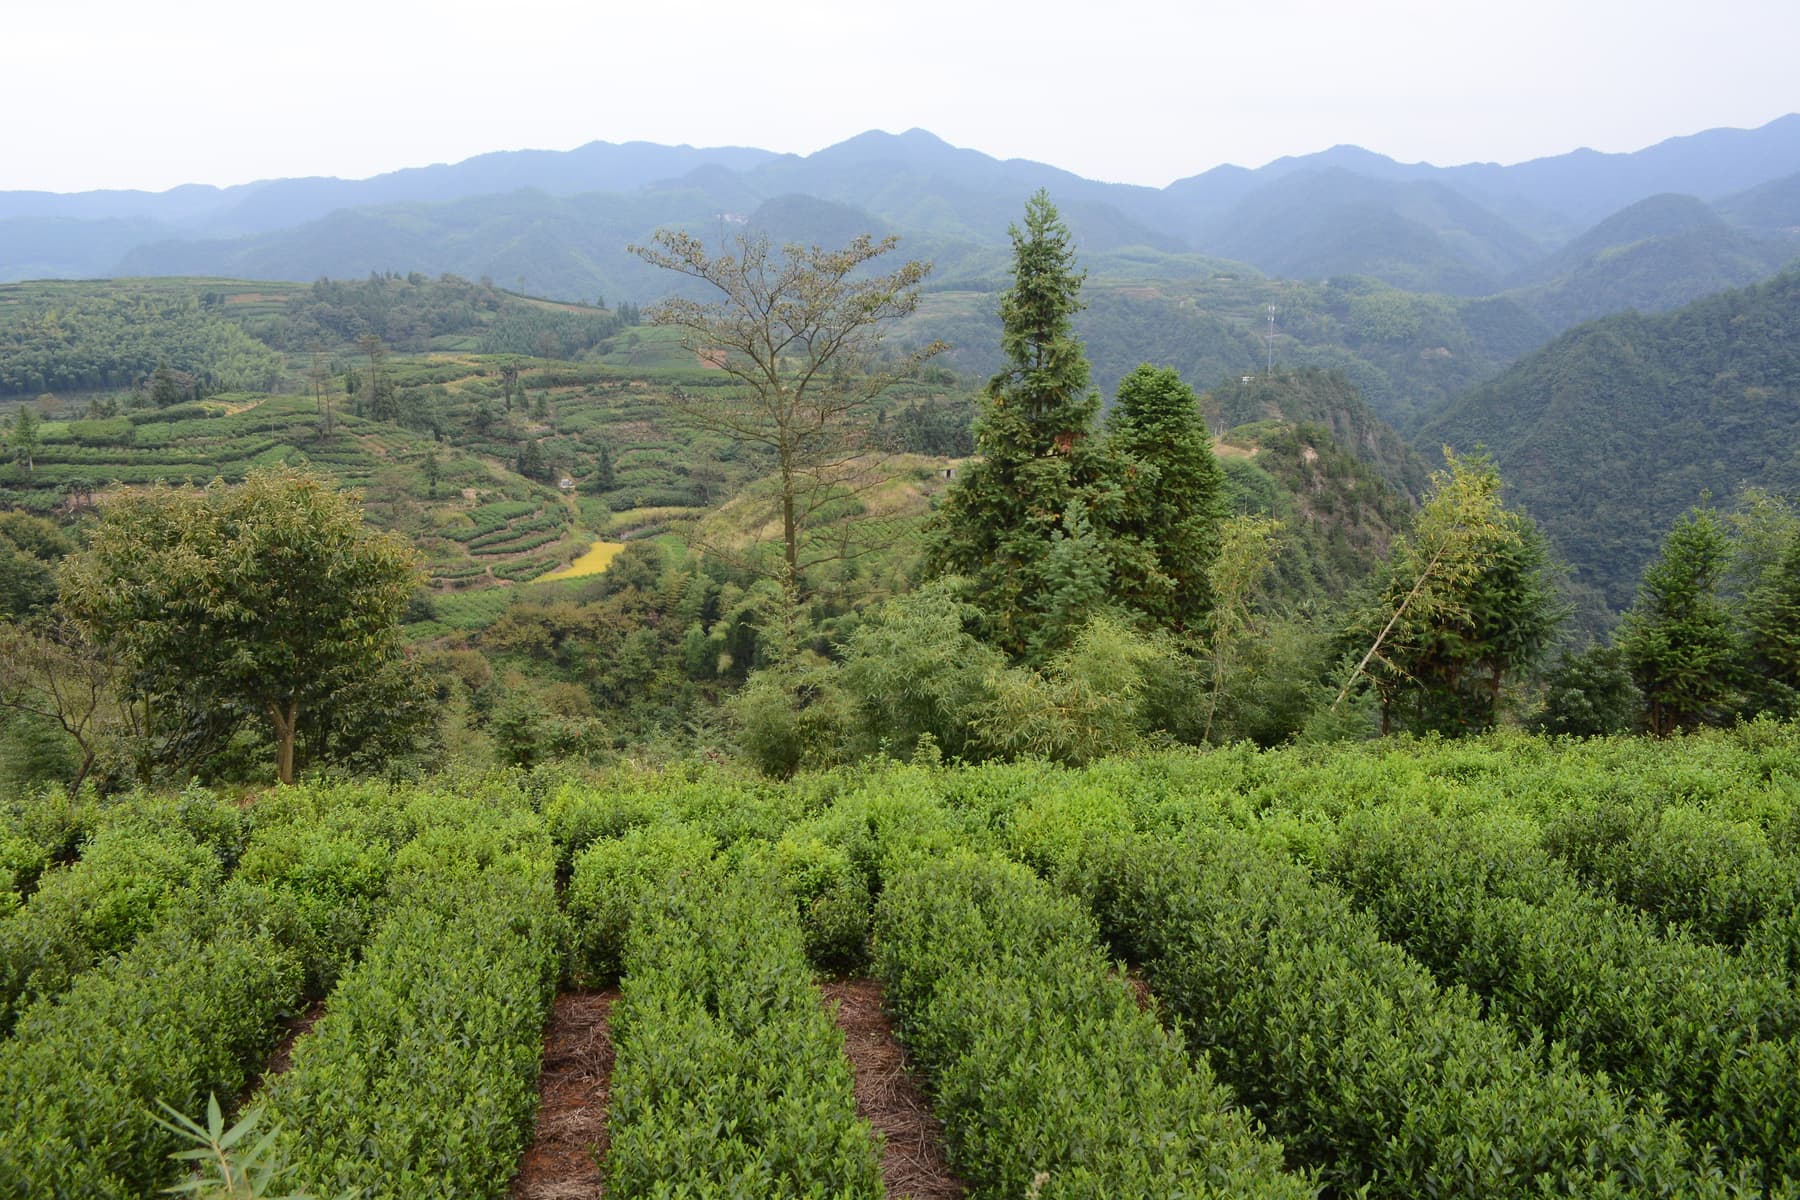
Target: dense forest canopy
101,342
411,312
1619,425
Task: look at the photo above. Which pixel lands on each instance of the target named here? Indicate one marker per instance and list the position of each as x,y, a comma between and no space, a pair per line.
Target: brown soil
563,1160
1140,989
912,1160
283,1057
295,1026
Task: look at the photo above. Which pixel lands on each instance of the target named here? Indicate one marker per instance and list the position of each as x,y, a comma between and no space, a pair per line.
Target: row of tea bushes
127,878
1479,902
421,1078
196,1003
1049,1078
1713,875
614,843
1350,1052
730,1076
192,1008
52,829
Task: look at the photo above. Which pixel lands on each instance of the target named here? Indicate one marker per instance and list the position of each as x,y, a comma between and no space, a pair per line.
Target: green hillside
1326,398
84,337
1339,515
1406,354
1654,256
501,463
1609,432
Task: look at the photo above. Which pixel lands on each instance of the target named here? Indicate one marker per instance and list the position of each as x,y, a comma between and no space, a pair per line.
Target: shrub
611,878
1050,1080
731,1078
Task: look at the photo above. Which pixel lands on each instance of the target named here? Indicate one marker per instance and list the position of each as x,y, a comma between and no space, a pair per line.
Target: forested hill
559,224
1655,256
1616,427
1325,398
76,338
225,335
1338,515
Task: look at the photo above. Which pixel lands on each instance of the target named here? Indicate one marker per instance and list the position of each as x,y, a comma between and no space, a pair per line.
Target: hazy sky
103,93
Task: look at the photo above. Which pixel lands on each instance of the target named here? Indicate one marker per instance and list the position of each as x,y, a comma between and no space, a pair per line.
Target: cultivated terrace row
1495,969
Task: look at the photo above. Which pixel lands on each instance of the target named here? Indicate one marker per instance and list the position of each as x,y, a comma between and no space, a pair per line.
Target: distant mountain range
1417,282
1435,295
1547,230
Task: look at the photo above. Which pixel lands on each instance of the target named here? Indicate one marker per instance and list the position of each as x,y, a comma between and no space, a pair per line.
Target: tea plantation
1497,967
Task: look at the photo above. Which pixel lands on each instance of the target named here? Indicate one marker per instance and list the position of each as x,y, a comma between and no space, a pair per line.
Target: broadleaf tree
798,331
267,597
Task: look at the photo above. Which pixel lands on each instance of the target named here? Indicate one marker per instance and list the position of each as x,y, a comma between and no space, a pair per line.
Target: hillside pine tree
1029,525
1679,639
1174,496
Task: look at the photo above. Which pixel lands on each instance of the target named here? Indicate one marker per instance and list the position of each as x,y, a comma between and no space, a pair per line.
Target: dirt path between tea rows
563,1160
888,1097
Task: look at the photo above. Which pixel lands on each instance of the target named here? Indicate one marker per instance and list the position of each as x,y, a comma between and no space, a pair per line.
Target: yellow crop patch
598,557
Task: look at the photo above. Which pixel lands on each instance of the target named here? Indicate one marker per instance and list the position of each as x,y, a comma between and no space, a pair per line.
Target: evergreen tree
1772,621
1174,499
165,392
531,462
26,438
1029,526
1679,639
1590,694
604,478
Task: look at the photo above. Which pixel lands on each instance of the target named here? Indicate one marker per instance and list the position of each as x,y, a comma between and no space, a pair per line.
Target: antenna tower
1270,339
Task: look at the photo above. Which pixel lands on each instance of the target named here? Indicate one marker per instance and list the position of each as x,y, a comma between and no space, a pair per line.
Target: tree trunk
789,534
87,764
285,723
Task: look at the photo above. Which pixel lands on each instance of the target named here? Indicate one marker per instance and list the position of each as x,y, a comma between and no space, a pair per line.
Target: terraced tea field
1286,973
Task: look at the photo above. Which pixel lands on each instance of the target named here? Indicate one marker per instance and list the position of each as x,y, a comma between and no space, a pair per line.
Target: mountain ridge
1732,160
1615,427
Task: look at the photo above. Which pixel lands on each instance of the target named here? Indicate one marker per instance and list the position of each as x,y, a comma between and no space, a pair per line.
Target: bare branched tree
51,670
798,334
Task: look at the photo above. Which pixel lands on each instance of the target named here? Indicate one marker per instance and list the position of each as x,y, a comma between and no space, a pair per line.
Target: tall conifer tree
1029,524
1772,617
1679,639
1175,496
